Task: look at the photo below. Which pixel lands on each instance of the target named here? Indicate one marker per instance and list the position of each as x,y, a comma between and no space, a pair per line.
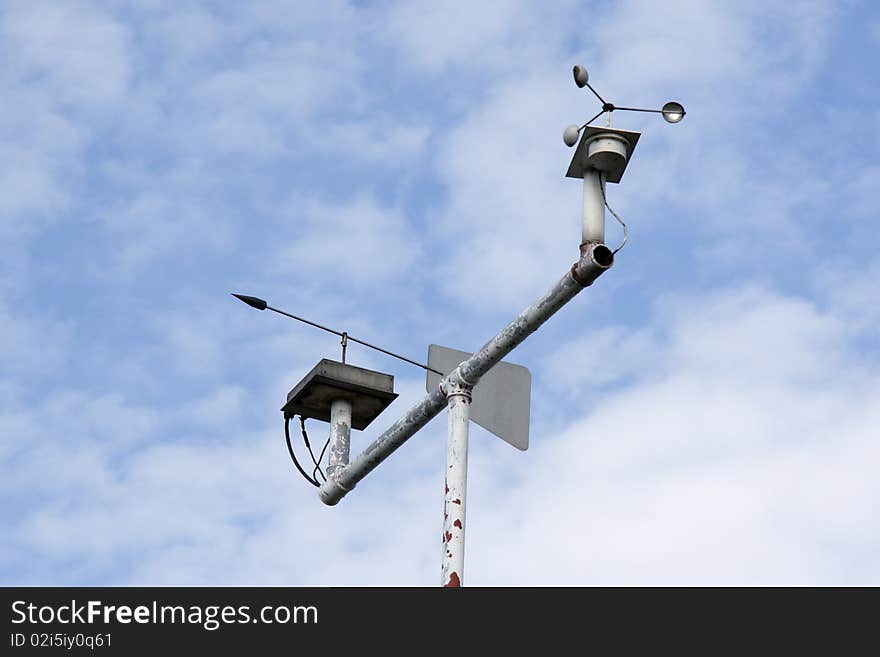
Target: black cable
302,423
312,481
321,457
603,177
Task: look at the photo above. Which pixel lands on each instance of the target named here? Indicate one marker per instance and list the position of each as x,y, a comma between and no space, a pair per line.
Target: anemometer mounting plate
595,143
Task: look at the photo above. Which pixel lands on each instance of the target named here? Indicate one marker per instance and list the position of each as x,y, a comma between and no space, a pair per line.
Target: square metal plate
369,392
578,161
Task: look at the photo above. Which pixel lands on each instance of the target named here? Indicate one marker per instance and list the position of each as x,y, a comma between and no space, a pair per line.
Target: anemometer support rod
594,208
595,259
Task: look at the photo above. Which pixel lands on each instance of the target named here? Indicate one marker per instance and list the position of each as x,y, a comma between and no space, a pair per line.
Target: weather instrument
477,386
601,157
350,397
672,111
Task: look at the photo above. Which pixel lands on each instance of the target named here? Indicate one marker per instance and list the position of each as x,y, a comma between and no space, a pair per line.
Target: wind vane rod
260,304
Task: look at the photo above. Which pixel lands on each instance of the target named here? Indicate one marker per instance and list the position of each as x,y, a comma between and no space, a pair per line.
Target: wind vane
476,386
259,304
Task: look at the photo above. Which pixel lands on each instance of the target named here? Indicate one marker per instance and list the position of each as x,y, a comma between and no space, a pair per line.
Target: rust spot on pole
457,523
456,501
454,582
447,536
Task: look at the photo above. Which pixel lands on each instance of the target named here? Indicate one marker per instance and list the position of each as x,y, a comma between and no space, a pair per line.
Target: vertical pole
340,435
594,209
459,403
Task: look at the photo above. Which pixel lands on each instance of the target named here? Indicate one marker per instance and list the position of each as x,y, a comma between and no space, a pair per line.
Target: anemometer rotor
672,112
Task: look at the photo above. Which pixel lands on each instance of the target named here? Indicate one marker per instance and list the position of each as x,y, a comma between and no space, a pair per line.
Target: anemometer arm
595,259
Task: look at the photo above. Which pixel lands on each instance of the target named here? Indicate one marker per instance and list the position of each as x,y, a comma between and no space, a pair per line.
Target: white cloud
31,345
598,358
78,52
254,107
358,242
751,420
217,410
492,34
381,140
849,289
66,68
160,222
39,148
755,51
509,216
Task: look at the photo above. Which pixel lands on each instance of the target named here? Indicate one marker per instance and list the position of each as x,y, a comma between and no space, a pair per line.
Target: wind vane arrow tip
253,302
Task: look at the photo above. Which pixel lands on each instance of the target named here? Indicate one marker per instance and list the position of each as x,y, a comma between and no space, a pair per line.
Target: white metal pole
459,403
594,209
340,435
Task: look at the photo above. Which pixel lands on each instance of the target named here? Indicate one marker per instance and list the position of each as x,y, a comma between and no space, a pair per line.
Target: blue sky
707,413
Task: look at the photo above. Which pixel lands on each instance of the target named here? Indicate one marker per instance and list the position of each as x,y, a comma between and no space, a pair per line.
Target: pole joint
455,385
595,259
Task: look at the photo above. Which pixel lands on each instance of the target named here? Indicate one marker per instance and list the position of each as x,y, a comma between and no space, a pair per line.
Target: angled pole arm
595,259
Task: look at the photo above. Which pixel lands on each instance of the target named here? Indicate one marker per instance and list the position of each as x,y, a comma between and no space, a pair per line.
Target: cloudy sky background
707,413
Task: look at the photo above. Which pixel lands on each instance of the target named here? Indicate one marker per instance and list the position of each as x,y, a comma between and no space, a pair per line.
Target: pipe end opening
603,256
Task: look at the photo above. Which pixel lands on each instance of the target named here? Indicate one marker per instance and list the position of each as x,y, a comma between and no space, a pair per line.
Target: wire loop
602,179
